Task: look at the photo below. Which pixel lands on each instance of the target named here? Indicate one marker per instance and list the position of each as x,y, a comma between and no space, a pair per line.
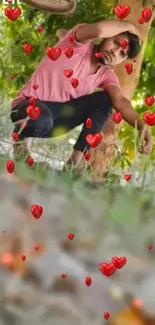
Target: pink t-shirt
55,86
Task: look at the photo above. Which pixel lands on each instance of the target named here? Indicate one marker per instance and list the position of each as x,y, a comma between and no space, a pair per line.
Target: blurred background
109,217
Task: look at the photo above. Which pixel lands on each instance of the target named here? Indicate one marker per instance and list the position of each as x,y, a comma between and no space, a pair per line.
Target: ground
107,220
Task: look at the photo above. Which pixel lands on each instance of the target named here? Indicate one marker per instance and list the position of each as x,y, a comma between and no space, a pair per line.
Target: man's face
112,51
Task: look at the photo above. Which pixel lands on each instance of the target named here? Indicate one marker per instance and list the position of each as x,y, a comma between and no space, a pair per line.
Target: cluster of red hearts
148,117
123,11
116,263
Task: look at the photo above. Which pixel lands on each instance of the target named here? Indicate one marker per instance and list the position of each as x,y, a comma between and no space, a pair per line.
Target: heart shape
94,139
32,101
106,315
53,53
35,87
119,262
68,73
27,48
40,29
33,112
12,14
98,55
107,269
129,68
127,177
10,166
117,117
88,281
122,11
149,100
71,38
146,14
123,44
141,21
64,275
36,211
74,82
68,52
149,118
88,123
87,155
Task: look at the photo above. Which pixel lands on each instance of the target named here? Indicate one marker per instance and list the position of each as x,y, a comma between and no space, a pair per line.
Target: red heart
150,247
87,156
32,101
36,248
70,236
10,166
149,100
33,112
98,55
27,48
149,118
107,269
88,123
68,73
117,117
127,177
106,315
71,38
129,68
23,257
123,44
88,281
53,53
36,211
15,136
146,14
35,87
122,11
69,52
134,60
64,275
119,262
141,21
74,82
12,14
30,161
94,139
40,29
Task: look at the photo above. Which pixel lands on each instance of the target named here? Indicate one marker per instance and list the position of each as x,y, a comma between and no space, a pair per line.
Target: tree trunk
104,154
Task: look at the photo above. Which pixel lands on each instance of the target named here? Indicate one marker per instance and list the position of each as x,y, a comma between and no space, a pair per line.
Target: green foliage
24,30
13,60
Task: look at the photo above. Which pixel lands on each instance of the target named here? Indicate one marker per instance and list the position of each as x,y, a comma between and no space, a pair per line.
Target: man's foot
76,163
20,150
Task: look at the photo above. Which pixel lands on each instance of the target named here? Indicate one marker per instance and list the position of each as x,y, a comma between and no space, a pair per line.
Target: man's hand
148,139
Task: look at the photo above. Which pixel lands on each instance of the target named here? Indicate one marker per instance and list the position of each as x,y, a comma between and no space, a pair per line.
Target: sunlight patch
59,131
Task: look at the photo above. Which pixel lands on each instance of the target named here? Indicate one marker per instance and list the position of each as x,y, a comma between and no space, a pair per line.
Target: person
67,101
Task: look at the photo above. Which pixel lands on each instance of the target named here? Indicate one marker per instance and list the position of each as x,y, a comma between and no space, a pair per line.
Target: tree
103,156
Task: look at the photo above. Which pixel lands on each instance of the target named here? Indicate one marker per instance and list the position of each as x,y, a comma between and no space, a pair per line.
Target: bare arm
104,29
124,106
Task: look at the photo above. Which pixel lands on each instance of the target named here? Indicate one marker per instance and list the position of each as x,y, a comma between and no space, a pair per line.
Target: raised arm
104,29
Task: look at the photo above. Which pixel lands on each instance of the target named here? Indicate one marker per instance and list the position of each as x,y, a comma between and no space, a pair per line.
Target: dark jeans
65,116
